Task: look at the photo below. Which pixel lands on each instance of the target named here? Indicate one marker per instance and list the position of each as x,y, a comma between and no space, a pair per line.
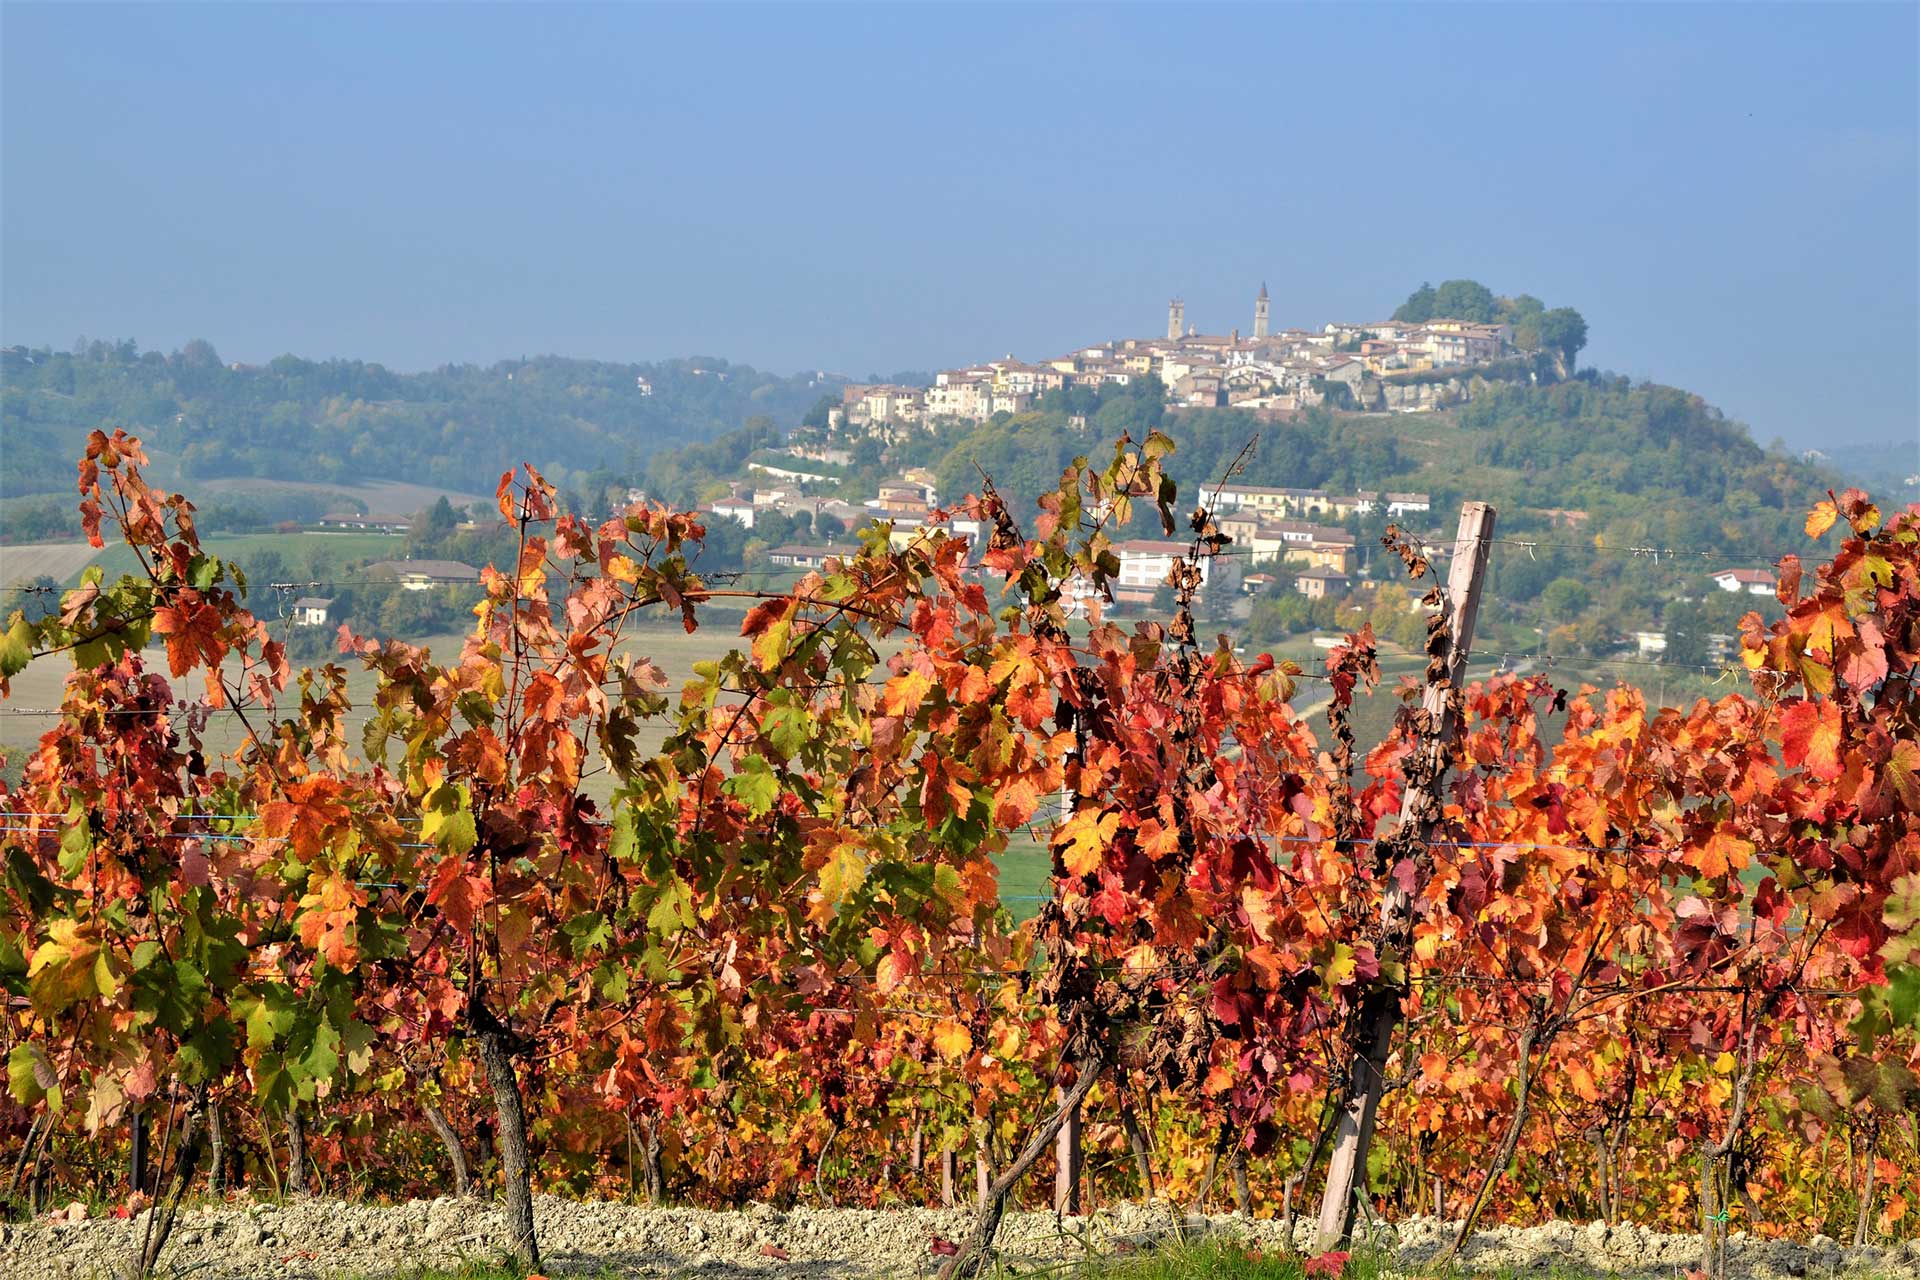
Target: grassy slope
25,561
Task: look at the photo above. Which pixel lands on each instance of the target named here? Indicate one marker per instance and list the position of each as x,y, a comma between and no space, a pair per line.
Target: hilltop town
1298,536
1388,365
1303,555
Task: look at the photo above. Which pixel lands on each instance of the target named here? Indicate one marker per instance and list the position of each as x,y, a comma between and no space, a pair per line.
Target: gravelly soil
316,1239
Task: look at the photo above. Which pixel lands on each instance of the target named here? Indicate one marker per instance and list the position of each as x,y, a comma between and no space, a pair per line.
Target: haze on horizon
1727,193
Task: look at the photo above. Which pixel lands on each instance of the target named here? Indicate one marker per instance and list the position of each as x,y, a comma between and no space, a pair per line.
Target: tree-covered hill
1647,463
347,420
1617,500
1621,463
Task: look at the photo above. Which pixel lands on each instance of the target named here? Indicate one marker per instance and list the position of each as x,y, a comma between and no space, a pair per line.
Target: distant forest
344,421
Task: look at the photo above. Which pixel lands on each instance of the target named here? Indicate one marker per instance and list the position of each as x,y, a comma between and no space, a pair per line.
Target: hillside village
1287,543
1388,365
1299,542
1315,547
1270,528
1295,530
1287,537
1317,544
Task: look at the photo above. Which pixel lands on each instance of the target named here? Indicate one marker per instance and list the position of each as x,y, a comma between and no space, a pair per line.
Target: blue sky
1727,193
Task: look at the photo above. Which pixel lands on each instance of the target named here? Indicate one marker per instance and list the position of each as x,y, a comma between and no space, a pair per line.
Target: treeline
49,517
345,420
1621,500
1647,465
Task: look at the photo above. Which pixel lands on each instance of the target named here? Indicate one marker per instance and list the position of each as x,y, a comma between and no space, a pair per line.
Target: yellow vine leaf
1083,839
952,1041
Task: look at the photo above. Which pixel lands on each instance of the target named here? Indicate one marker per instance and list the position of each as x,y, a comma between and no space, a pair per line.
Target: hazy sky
1728,194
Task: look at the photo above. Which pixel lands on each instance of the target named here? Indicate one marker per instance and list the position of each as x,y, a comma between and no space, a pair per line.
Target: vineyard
532,918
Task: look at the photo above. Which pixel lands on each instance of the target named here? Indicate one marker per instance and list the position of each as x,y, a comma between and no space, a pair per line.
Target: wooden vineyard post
1068,1157
1379,1013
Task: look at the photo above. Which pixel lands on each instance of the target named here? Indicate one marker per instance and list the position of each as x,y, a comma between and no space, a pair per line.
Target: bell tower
1176,318
1261,314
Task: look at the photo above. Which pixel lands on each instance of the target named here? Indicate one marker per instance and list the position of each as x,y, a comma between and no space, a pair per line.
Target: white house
800,557
1145,563
1755,582
959,395
740,509
311,611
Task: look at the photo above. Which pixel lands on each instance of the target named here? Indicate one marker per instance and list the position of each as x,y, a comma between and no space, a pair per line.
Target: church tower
1260,313
1176,318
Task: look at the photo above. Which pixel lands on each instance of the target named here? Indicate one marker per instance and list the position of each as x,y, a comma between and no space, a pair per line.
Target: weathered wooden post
1380,1012
1069,1160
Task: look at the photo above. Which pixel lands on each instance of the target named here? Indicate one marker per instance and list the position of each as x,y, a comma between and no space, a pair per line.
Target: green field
38,688
387,497
1026,872
308,556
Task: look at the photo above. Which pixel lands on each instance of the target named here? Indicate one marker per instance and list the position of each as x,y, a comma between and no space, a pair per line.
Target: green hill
1616,500
344,421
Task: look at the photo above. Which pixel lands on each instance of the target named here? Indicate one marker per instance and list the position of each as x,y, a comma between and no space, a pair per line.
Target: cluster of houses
1275,532
1269,527
906,501
1286,371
